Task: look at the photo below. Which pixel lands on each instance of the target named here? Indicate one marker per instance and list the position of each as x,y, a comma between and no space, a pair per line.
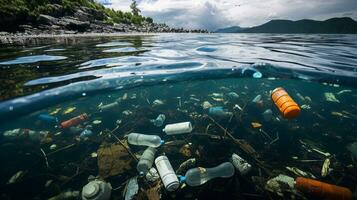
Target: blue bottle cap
162,142
182,179
141,174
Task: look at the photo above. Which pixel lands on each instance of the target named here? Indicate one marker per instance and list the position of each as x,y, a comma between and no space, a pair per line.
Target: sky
214,14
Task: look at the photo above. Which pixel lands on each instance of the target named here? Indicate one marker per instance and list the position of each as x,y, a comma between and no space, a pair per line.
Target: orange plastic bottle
322,190
287,106
74,121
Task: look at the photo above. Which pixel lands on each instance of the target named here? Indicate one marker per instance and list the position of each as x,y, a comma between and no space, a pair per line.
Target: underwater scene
179,116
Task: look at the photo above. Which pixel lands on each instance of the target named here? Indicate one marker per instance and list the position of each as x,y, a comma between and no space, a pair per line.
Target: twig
120,142
61,149
45,156
276,139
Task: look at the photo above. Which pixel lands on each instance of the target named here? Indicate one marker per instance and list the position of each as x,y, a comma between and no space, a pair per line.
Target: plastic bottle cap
141,174
162,142
90,190
182,178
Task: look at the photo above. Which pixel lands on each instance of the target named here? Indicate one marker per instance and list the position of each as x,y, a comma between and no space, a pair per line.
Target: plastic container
322,190
200,175
159,121
74,121
109,106
86,133
146,161
286,105
48,119
96,190
178,128
167,174
240,164
267,115
219,111
144,140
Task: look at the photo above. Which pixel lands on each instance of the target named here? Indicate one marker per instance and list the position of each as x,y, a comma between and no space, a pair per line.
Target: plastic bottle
144,140
178,128
322,190
146,161
74,121
200,175
267,115
109,106
48,119
96,190
167,174
219,111
249,71
287,106
159,121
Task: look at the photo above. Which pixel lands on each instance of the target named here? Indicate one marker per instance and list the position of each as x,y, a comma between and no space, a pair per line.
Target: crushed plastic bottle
131,188
144,140
240,164
199,176
146,160
159,121
219,111
178,128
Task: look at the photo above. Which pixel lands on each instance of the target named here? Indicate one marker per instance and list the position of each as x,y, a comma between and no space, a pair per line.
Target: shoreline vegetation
30,18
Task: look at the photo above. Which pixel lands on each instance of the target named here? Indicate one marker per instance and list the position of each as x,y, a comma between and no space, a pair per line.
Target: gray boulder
46,19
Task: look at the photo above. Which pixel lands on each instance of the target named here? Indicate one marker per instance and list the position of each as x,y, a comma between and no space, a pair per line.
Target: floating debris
331,97
256,125
69,110
96,122
325,168
157,102
16,177
206,105
131,188
280,184
343,92
53,146
56,111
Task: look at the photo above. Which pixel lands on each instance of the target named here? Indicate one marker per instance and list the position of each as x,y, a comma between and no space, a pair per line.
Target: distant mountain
232,29
333,25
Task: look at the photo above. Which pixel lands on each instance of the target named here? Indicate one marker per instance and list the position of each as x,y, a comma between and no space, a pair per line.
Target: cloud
213,14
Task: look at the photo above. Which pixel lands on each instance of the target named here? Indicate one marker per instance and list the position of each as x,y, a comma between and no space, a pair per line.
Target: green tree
134,8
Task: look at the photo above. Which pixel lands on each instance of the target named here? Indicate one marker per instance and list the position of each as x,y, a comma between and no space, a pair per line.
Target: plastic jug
144,140
178,128
167,174
146,160
286,105
200,175
96,190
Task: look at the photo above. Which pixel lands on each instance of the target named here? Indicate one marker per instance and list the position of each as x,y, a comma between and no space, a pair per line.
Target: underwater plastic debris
326,154
178,128
280,184
257,99
240,164
343,92
159,121
96,122
152,175
219,111
216,95
66,195
86,133
233,96
305,107
199,176
325,168
331,97
248,71
268,115
256,125
186,165
146,161
69,110
157,102
16,177
144,140
127,112
167,174
237,107
322,190
206,105
93,155
53,147
109,106
131,188
288,108
56,111
74,121
48,119
299,172
96,190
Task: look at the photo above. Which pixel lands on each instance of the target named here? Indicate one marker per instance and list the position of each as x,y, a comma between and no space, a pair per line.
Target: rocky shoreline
84,22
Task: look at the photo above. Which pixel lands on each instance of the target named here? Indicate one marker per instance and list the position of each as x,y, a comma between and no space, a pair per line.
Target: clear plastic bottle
178,128
144,140
146,160
198,176
159,121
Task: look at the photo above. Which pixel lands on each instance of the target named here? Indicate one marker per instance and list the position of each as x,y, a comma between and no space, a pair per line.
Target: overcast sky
214,14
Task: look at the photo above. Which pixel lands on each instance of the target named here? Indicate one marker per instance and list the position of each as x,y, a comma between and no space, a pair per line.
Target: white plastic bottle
144,140
146,160
96,190
200,175
109,106
178,128
167,174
